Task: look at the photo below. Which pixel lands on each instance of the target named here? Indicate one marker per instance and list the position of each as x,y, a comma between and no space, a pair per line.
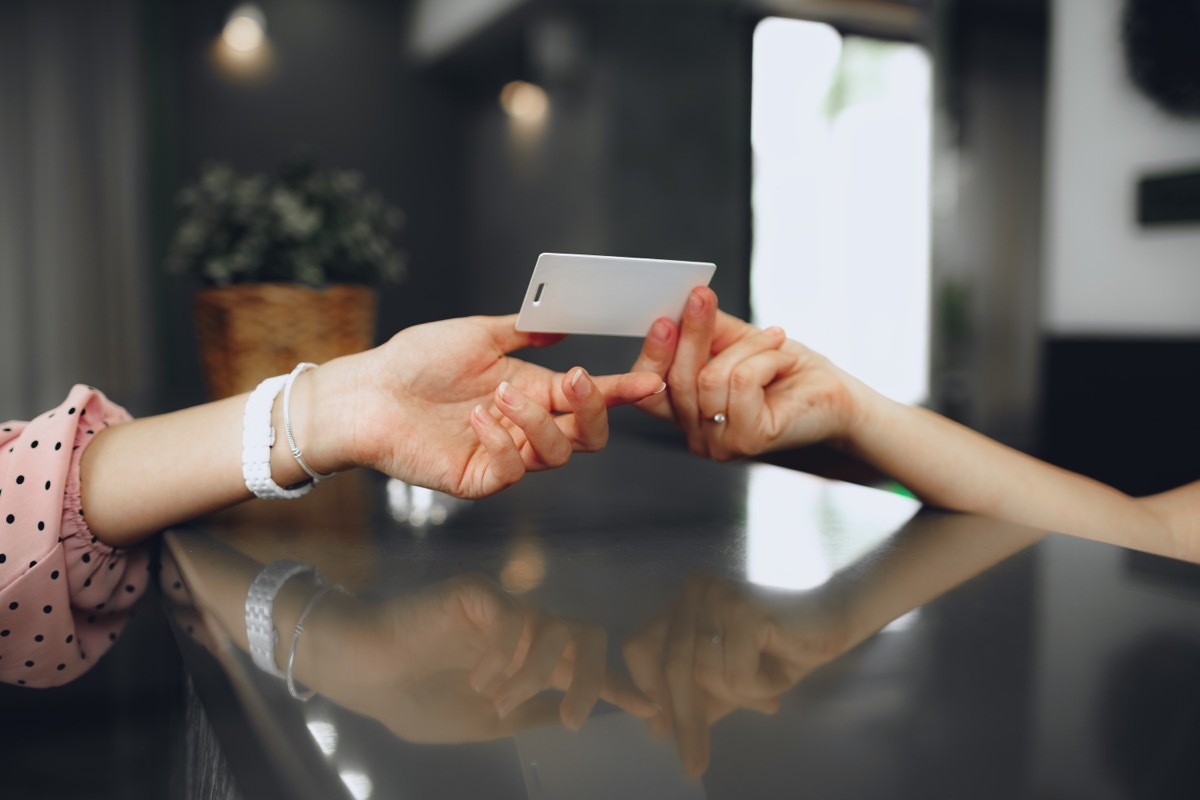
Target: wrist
863,412
317,422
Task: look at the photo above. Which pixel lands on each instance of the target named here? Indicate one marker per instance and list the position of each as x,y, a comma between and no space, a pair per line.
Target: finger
587,427
496,615
658,351
549,643
728,329
644,656
742,654
687,701
544,438
709,665
503,331
715,378
505,465
587,681
622,693
691,355
533,713
748,382
619,390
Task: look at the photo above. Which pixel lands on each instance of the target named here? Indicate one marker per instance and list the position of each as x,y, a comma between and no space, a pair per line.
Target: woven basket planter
252,331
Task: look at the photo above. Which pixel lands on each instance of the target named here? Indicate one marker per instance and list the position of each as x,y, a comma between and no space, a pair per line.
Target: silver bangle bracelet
303,366
291,662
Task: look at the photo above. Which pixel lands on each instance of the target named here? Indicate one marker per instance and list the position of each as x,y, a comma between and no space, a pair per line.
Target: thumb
503,331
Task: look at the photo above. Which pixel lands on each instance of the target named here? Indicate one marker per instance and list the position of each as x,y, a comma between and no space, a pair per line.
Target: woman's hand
461,660
443,405
774,393
723,645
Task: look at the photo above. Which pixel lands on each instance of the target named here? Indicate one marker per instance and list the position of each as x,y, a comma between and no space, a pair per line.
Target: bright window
841,137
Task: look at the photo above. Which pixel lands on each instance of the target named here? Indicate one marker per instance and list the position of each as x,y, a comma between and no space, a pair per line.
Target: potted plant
288,266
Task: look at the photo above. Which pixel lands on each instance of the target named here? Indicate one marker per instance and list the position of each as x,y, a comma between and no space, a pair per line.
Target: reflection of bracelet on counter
312,603
261,634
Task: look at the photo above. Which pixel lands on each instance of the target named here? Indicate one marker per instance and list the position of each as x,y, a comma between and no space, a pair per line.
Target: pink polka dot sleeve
64,595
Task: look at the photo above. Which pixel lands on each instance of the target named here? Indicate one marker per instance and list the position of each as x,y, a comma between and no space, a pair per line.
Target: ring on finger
718,418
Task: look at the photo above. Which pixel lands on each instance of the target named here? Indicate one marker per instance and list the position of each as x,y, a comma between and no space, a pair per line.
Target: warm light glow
524,101
526,567
245,29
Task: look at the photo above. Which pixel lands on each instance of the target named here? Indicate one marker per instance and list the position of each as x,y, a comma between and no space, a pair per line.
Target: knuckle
710,380
741,379
677,381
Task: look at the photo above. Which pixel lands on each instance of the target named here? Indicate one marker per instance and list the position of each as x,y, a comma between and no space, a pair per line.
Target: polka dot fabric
64,595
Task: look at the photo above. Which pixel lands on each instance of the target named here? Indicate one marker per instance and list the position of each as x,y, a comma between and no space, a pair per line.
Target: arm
442,405
778,394
724,644
459,660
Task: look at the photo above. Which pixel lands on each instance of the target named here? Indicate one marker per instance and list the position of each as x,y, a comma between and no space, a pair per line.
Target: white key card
607,295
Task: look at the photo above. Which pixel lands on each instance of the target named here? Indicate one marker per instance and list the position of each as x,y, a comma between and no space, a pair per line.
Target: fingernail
481,415
661,389
505,706
695,304
510,395
582,389
660,331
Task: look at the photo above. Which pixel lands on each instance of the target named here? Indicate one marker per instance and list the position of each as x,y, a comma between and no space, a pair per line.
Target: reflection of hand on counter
460,660
723,644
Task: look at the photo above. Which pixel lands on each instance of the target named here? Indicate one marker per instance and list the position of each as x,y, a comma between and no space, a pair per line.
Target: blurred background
985,206
945,196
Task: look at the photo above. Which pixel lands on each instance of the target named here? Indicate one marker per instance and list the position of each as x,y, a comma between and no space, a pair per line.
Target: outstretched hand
445,406
735,390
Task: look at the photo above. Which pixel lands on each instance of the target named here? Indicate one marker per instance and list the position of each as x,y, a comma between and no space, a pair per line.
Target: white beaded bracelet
261,634
258,436
317,477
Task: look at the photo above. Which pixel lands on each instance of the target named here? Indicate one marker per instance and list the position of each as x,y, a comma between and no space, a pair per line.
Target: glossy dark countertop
1031,666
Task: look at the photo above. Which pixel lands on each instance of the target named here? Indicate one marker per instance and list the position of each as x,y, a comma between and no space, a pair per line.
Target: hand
443,405
775,393
463,661
724,645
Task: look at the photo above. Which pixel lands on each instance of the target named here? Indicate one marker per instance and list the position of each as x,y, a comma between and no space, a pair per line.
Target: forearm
219,579
933,554
951,466
143,476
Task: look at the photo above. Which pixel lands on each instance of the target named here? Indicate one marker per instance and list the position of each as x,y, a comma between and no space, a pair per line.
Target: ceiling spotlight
245,29
524,101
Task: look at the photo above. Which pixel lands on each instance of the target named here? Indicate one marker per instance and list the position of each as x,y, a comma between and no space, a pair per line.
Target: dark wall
338,84
990,66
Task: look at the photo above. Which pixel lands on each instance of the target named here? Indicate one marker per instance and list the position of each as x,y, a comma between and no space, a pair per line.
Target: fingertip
662,331
545,339
579,382
480,415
